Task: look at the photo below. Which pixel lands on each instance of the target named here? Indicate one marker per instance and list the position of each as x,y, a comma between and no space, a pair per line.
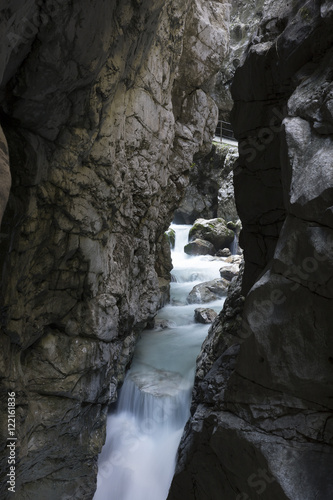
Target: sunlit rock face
103,109
244,18
262,409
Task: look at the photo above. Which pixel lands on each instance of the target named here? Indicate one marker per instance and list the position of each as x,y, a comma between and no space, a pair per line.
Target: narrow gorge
108,111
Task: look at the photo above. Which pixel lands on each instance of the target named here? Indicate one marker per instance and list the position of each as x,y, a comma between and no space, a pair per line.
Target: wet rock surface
206,316
102,127
229,271
214,231
199,247
262,407
208,291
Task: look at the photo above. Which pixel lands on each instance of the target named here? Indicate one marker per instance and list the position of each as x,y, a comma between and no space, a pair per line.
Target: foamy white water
143,433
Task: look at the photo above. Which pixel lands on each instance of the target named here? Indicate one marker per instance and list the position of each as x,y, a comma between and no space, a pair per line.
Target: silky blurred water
143,433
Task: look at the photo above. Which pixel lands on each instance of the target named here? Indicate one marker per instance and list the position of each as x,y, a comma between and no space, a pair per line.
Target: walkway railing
224,129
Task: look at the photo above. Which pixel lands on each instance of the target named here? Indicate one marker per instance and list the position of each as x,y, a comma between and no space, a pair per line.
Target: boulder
213,230
235,226
199,247
208,291
225,252
229,271
204,315
234,259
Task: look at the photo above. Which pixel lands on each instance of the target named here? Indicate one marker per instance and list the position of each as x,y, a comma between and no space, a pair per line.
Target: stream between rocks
143,432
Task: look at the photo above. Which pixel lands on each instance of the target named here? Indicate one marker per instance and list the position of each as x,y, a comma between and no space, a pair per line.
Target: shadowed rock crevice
261,418
100,154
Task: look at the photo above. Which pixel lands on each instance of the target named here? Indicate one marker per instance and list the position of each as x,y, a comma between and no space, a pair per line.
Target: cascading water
234,246
143,433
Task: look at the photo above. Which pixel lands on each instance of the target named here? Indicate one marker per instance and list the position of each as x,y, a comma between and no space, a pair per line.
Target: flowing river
143,432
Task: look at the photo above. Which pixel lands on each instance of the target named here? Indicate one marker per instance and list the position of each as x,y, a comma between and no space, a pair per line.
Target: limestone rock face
262,408
210,191
102,114
244,17
163,266
226,206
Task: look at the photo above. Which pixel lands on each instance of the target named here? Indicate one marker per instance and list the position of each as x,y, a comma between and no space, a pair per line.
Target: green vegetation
171,237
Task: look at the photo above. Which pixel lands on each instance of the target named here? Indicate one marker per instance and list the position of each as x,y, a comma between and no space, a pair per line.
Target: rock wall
5,175
244,18
210,192
262,425
103,114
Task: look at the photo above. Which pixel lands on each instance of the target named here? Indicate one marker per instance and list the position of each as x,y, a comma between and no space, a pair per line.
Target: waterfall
143,433
234,245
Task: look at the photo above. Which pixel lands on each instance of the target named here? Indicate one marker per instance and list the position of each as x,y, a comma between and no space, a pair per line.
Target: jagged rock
208,291
163,267
206,316
213,230
103,110
225,252
236,226
244,18
201,441
226,206
199,247
225,332
272,401
234,259
210,192
229,271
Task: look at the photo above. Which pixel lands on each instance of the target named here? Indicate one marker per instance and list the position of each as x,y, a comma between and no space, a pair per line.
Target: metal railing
224,129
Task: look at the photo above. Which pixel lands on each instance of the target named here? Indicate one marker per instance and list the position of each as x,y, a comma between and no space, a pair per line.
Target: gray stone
264,376
163,267
199,247
171,235
208,291
213,230
204,315
225,252
229,271
103,111
226,208
210,191
244,17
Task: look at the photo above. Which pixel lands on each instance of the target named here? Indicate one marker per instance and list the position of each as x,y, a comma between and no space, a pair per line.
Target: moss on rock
213,230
